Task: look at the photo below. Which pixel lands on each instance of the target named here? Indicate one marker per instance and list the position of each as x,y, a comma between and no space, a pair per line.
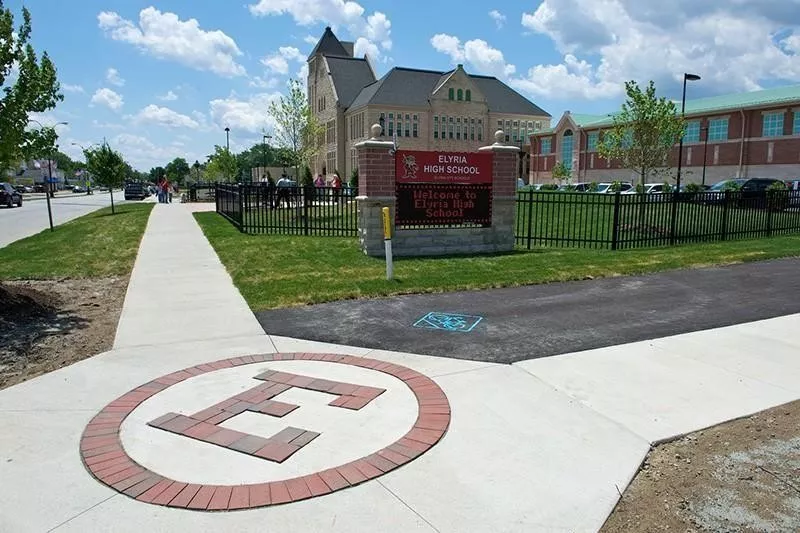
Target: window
469,95
591,141
353,159
436,126
796,125
547,145
538,125
382,121
408,126
499,124
330,134
460,95
451,94
567,143
472,130
691,133
450,129
718,129
772,124
530,126
458,128
331,161
416,126
391,124
480,129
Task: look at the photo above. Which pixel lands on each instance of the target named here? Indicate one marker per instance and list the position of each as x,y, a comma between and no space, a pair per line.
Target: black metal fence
621,221
258,208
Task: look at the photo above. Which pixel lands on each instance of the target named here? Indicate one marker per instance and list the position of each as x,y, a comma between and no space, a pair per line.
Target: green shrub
693,188
549,187
308,179
354,179
616,186
593,187
731,186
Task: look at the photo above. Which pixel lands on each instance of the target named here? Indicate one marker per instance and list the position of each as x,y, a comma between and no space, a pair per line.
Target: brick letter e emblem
204,426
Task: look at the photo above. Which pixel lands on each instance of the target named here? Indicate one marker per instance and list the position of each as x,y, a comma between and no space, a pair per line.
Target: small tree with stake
107,167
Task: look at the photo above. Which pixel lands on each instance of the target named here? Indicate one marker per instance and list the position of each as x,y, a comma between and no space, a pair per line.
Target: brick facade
746,152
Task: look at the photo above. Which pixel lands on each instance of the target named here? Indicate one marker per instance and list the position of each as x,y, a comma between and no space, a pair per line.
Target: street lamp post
227,138
266,137
49,189
686,77
705,152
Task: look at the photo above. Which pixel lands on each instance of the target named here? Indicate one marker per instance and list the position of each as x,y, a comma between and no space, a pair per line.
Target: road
543,320
20,222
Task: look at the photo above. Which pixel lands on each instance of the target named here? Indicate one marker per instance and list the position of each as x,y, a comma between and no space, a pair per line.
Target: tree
643,133
27,84
297,127
177,170
222,164
156,173
561,172
107,167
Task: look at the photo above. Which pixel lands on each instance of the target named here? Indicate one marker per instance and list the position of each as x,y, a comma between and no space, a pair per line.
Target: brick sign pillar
375,189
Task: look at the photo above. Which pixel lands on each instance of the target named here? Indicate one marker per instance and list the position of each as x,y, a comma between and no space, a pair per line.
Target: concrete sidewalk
541,445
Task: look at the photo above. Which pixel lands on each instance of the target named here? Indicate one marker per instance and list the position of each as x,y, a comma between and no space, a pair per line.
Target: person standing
283,191
336,183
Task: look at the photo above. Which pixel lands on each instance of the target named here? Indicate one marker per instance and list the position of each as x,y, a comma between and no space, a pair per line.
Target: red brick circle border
104,456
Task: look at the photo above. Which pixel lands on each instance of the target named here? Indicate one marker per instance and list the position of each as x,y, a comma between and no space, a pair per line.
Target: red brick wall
375,172
504,170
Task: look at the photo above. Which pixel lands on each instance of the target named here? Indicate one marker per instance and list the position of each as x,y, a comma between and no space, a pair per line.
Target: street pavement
20,222
541,445
542,320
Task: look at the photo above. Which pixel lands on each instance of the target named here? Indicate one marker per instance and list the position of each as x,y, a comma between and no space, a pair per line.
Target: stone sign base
435,241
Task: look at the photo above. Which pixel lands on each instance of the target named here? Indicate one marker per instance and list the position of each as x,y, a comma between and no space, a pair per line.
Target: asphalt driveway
543,320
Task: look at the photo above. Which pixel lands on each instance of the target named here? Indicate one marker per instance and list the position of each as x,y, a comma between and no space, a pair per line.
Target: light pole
265,139
227,138
686,77
705,152
49,189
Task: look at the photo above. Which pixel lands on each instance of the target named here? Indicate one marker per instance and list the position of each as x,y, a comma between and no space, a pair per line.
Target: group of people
285,184
164,190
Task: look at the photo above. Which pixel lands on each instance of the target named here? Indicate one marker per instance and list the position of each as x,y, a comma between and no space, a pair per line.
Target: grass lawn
279,271
94,245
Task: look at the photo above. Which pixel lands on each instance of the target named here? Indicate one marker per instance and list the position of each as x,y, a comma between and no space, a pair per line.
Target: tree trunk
111,192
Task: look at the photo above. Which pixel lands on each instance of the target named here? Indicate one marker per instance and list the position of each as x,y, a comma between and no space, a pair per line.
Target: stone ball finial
499,136
376,130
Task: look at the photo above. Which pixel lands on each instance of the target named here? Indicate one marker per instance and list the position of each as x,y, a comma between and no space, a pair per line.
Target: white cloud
108,98
163,116
169,97
497,17
310,39
107,125
113,77
248,115
278,62
482,58
261,83
165,36
143,154
684,35
376,28
72,88
48,120
448,44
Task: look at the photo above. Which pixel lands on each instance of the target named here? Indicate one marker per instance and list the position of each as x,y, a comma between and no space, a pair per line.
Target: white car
650,188
605,188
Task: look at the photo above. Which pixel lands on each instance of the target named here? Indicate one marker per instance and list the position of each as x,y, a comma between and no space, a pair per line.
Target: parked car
78,188
605,188
652,189
9,196
135,191
750,192
576,187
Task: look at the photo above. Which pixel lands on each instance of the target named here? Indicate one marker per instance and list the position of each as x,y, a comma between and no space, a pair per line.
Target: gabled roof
329,45
350,75
413,88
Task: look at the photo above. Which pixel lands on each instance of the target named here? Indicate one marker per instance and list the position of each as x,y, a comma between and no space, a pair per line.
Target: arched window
460,95
469,96
566,148
451,94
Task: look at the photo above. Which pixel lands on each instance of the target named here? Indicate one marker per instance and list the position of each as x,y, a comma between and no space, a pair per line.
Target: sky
162,79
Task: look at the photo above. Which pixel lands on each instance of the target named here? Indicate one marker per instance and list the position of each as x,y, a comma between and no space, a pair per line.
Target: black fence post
724,229
771,204
241,207
216,196
674,222
615,228
530,217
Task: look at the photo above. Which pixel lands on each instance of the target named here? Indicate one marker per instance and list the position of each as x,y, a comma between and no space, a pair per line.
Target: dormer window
460,95
468,96
451,94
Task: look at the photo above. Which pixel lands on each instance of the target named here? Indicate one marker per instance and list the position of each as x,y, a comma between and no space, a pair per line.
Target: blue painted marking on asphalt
448,322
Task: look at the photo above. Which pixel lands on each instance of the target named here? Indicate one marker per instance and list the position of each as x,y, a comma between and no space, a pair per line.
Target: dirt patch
739,476
45,325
